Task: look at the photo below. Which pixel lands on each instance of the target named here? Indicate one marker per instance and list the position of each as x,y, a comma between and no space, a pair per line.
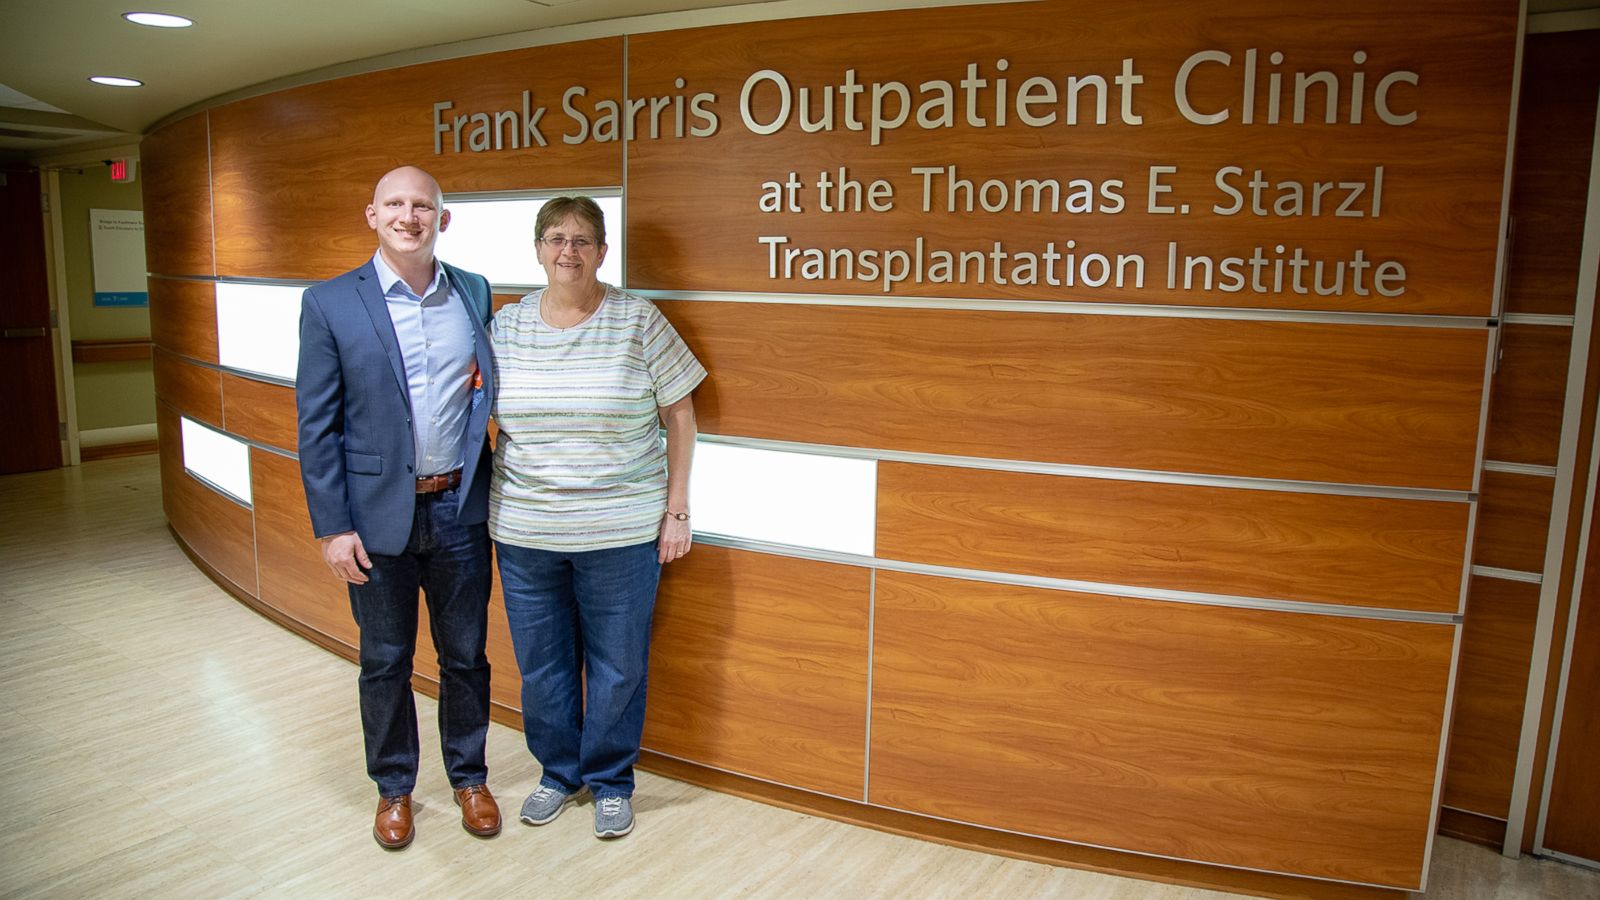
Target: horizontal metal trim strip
993,828
1067,307
1537,319
268,282
239,279
217,488
1112,474
1494,465
287,454
1565,20
790,550
256,376
1472,812
1568,858
242,373
1083,587
181,277
593,190
305,283
1508,574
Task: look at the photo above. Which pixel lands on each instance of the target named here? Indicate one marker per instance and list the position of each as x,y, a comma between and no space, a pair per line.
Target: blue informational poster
116,237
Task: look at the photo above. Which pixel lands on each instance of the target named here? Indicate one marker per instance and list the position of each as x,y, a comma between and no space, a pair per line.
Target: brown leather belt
436,483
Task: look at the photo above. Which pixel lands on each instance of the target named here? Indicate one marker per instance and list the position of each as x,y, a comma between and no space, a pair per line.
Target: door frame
1572,419
50,167
1578,363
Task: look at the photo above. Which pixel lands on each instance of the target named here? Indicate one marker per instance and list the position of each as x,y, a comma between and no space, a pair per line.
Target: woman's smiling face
570,254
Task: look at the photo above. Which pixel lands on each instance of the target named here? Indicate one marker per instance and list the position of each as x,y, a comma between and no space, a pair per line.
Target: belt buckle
432,484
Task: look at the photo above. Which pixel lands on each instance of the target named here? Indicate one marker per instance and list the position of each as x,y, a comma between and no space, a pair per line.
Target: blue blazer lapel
371,294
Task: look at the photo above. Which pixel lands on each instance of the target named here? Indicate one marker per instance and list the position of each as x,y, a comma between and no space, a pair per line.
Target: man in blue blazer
393,388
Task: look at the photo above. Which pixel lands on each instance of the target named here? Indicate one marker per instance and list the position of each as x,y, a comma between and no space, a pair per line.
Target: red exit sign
122,170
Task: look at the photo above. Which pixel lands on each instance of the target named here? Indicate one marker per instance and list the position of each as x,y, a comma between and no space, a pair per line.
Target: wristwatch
680,516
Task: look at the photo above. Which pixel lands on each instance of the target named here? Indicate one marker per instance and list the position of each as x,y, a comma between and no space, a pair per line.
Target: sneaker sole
604,835
526,820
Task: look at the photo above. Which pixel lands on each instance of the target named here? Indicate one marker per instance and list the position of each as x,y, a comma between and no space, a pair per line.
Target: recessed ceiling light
157,20
115,81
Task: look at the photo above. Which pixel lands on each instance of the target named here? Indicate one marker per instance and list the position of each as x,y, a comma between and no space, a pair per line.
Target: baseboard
1474,827
112,451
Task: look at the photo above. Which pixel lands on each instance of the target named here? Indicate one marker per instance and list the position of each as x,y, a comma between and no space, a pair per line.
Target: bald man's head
407,212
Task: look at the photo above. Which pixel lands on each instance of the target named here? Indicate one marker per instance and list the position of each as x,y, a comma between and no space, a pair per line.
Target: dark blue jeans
582,614
449,562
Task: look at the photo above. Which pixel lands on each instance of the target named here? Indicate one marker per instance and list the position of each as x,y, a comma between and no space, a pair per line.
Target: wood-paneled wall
310,156
183,318
1160,728
1525,406
1570,827
259,412
1555,137
759,666
1362,405
1311,547
216,528
193,390
1496,647
176,188
1264,735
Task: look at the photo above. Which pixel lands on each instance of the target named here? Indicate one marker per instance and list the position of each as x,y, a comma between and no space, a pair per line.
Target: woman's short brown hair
559,209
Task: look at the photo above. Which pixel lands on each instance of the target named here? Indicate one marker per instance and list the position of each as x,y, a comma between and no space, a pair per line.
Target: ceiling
49,48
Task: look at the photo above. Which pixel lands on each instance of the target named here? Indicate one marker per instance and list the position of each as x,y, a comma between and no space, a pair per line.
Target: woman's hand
675,538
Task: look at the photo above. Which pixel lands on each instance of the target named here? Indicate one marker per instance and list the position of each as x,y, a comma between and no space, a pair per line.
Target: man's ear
444,220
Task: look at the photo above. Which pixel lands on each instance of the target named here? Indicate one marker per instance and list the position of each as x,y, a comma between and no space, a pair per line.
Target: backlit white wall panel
800,499
212,456
258,328
495,238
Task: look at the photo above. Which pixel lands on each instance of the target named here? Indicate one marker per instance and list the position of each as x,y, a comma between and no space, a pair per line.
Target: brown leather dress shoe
392,827
480,815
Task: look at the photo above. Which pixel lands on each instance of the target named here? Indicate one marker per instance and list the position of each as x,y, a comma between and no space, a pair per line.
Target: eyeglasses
560,243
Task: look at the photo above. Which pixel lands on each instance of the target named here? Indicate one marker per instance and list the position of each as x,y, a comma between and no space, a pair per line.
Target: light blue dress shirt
435,335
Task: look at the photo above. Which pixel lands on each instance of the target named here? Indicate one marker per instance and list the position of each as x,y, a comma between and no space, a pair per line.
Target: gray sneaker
613,817
543,805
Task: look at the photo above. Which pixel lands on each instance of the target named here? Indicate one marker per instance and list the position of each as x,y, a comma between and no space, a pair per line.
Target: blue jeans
582,614
449,562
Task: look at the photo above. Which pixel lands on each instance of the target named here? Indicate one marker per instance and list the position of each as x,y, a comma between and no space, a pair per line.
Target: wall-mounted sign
122,170
117,239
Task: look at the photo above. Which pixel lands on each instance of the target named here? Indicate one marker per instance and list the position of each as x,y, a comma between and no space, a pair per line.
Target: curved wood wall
1183,578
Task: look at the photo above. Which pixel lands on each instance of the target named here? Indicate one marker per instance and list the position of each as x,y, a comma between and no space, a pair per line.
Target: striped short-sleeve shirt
579,463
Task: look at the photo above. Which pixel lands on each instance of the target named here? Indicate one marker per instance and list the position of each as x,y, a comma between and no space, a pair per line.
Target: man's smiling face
405,212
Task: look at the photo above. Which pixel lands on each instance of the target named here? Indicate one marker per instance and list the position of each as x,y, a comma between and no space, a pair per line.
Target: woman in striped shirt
585,506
